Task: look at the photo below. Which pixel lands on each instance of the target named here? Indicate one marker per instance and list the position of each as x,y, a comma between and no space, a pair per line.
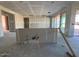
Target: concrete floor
11,49
8,39
74,42
33,50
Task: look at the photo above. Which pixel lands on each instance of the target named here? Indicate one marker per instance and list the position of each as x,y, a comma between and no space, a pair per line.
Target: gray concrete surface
10,49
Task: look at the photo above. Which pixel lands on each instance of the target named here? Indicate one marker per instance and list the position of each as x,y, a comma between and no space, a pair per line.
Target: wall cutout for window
62,22
5,23
56,21
76,25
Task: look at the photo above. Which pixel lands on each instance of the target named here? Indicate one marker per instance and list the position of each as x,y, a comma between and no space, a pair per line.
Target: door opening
26,22
5,23
76,25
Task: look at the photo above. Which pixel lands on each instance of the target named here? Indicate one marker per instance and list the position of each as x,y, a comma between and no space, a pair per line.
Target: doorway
76,25
5,23
8,21
26,22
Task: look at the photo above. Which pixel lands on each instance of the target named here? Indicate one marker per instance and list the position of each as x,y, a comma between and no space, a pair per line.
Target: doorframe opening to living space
5,23
76,25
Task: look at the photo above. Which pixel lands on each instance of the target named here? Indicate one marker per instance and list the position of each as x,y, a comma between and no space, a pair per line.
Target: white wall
34,22
75,7
70,14
1,27
46,35
18,19
39,22
19,23
71,18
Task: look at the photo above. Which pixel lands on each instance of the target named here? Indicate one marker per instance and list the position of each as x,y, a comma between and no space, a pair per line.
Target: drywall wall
45,35
34,22
66,10
70,18
11,20
39,22
75,7
18,18
1,28
19,23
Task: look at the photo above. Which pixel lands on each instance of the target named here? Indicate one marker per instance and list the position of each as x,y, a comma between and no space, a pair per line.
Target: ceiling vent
52,2
21,1
49,12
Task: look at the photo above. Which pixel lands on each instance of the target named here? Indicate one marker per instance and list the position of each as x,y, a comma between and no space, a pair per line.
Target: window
62,23
76,25
56,21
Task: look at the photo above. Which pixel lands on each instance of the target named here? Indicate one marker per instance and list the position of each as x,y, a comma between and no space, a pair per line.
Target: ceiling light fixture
21,1
49,12
52,2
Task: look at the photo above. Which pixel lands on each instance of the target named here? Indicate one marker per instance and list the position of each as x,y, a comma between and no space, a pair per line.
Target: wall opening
8,21
76,25
5,23
26,22
56,21
62,22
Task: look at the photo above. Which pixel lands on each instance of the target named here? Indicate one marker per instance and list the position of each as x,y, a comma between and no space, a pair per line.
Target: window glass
56,21
63,19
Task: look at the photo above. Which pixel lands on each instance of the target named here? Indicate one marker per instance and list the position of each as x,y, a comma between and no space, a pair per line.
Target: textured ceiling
27,8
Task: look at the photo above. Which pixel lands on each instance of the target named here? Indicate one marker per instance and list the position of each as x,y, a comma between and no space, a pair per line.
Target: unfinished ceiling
33,8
